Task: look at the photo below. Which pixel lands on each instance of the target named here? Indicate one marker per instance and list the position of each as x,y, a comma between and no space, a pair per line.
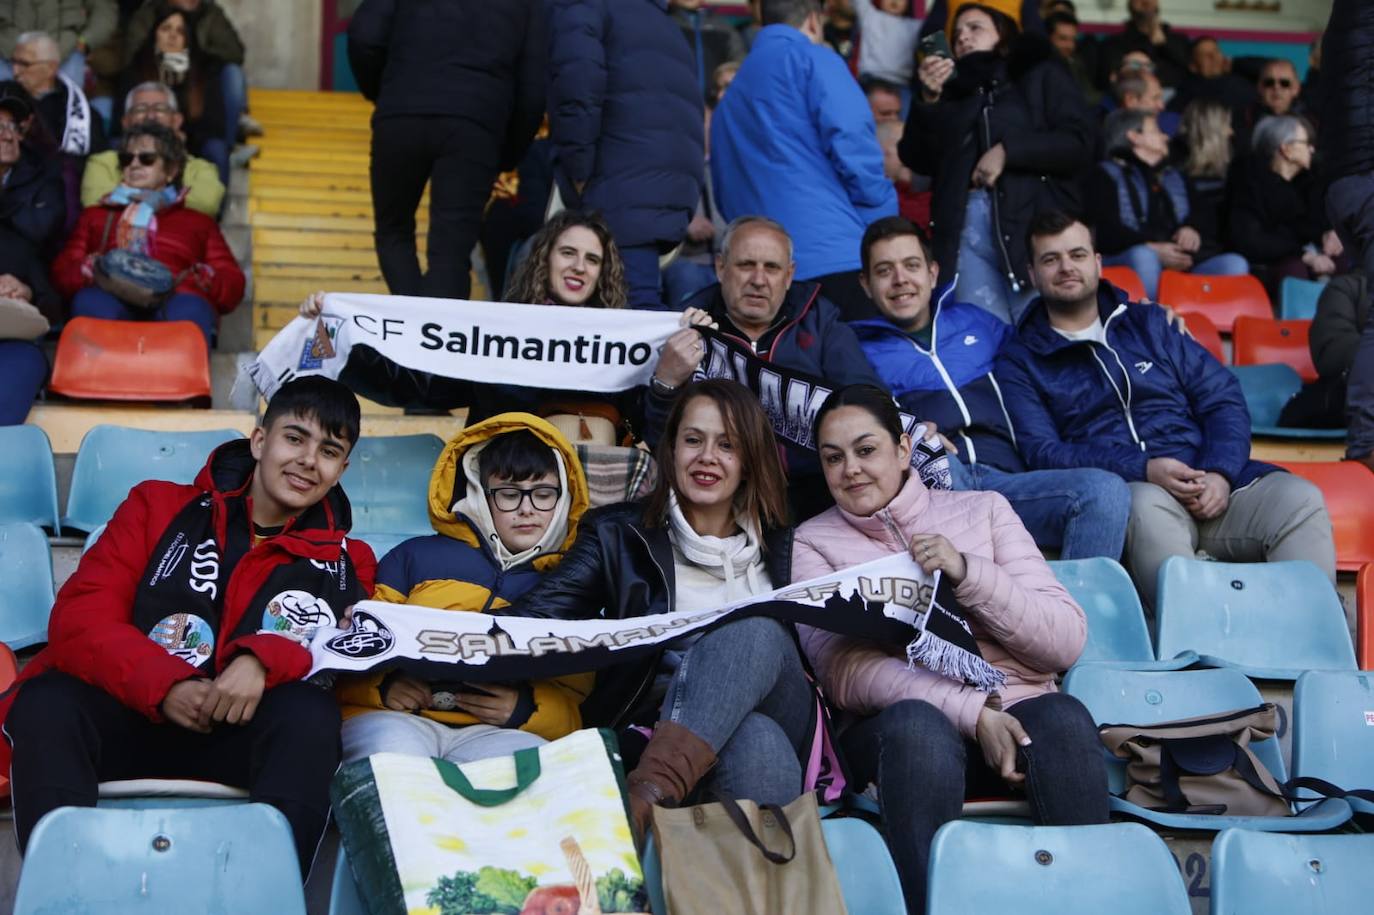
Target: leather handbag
139,281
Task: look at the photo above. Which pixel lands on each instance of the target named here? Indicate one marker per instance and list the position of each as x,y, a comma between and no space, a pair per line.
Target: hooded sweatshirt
466,566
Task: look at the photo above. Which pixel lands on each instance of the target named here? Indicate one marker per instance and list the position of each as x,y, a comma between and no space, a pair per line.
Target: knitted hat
1011,8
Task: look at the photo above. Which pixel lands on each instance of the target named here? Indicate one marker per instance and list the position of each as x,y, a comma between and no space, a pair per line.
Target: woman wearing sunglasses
145,216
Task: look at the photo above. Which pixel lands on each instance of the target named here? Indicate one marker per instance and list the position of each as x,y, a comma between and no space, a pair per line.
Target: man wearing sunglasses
1278,87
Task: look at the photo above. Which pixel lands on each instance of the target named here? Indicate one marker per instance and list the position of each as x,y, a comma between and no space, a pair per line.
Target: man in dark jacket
626,121
937,357
177,648
1146,31
782,322
1095,381
32,209
459,88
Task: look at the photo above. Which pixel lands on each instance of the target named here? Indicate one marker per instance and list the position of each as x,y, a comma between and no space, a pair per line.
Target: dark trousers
846,293
924,768
1350,207
25,369
460,159
68,736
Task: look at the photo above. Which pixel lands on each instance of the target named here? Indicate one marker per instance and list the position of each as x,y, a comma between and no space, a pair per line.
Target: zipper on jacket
1001,402
1125,401
958,399
885,515
653,671
992,201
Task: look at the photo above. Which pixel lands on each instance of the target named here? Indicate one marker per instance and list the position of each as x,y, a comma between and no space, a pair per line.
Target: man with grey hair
61,104
786,323
154,103
75,25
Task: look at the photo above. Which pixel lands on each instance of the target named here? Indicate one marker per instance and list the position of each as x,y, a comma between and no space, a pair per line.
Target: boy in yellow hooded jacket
504,500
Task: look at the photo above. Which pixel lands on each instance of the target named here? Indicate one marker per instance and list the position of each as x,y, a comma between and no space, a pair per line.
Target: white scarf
736,560
76,135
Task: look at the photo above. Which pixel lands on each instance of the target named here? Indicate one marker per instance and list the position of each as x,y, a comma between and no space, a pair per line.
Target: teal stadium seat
225,860
28,483
387,482
1122,868
1271,620
1117,633
1298,299
1115,696
113,459
26,594
1258,873
1333,732
1266,389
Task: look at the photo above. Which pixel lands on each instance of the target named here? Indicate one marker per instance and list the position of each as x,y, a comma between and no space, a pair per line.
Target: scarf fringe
947,659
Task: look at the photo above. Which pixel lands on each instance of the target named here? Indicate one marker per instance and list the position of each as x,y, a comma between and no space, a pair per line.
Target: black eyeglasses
144,158
508,498
1282,82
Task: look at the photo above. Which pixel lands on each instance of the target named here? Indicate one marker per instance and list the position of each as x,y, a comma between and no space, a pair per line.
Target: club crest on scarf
185,636
297,614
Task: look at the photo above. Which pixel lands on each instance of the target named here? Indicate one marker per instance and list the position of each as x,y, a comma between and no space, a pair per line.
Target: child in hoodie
504,500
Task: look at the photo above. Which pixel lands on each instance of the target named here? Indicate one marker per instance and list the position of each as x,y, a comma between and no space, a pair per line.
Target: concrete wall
283,41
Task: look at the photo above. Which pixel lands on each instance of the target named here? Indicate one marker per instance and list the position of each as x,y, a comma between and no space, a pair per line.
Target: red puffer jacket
184,239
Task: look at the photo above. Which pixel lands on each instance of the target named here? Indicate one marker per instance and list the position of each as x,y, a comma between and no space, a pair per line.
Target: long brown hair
762,493
530,284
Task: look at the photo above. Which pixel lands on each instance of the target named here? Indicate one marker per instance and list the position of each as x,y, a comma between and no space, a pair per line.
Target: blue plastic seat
384,543
1117,633
1271,620
113,459
1266,389
1115,696
387,482
26,594
1122,868
1258,873
1333,735
344,898
1298,299
28,483
226,860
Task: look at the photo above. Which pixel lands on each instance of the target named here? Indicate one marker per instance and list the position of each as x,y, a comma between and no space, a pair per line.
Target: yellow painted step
67,423
275,155
326,273
353,224
327,205
1281,449
263,96
263,182
317,166
314,259
270,238
351,135
324,120
290,290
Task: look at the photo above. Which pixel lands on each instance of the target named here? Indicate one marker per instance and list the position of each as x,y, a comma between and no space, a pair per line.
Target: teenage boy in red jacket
177,648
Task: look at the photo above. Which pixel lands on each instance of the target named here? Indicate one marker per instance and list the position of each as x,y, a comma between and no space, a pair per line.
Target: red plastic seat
131,360
1221,298
9,672
1206,333
1261,341
1349,490
1127,280
1364,616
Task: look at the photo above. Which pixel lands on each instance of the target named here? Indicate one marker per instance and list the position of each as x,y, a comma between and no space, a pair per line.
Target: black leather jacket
619,568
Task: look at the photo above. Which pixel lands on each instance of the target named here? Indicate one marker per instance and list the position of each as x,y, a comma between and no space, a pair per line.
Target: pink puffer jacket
1026,623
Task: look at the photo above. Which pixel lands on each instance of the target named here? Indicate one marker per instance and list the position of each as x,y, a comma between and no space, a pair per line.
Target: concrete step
327,273
307,261
267,239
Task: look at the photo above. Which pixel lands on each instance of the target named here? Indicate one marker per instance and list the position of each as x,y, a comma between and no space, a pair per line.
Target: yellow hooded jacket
454,569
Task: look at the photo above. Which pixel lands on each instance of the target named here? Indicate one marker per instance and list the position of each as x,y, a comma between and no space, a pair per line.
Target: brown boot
672,764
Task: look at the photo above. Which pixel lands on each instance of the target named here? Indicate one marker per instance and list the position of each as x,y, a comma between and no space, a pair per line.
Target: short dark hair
1118,124
516,456
1201,38
872,398
322,399
872,84
1053,222
1058,19
787,12
169,146
882,230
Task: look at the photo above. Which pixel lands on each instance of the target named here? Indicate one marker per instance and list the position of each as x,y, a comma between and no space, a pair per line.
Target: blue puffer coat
952,382
1150,392
625,116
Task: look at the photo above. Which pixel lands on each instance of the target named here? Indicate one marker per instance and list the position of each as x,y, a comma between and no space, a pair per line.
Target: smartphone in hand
933,45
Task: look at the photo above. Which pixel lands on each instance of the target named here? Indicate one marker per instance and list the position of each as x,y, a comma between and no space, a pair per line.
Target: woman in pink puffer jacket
924,739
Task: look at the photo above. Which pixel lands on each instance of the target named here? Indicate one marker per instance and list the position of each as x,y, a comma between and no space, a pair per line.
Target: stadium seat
9,672
1127,280
113,459
1221,298
26,594
1267,388
1206,333
387,482
1115,696
1122,868
1265,341
1298,299
1333,732
237,859
28,483
1349,490
131,360
1117,633
1364,616
1259,873
1271,620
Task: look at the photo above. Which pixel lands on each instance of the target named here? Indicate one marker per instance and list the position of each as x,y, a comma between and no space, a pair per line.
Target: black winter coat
32,201
483,61
620,568
1347,118
1030,104
1269,218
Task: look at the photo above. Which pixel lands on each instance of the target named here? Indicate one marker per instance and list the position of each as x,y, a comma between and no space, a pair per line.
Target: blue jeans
24,368
1350,207
924,768
741,688
1080,512
685,278
93,302
1145,262
641,276
982,278
233,88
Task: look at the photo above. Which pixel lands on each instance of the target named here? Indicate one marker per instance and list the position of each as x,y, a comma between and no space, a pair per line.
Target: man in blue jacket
794,140
1096,381
937,356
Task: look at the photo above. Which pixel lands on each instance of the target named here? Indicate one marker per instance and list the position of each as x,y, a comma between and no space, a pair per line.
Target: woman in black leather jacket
712,532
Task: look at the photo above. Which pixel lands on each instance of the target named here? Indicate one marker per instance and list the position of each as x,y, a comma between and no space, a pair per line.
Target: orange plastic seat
1127,280
1206,333
9,672
1261,341
1364,616
1221,298
131,360
1349,490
